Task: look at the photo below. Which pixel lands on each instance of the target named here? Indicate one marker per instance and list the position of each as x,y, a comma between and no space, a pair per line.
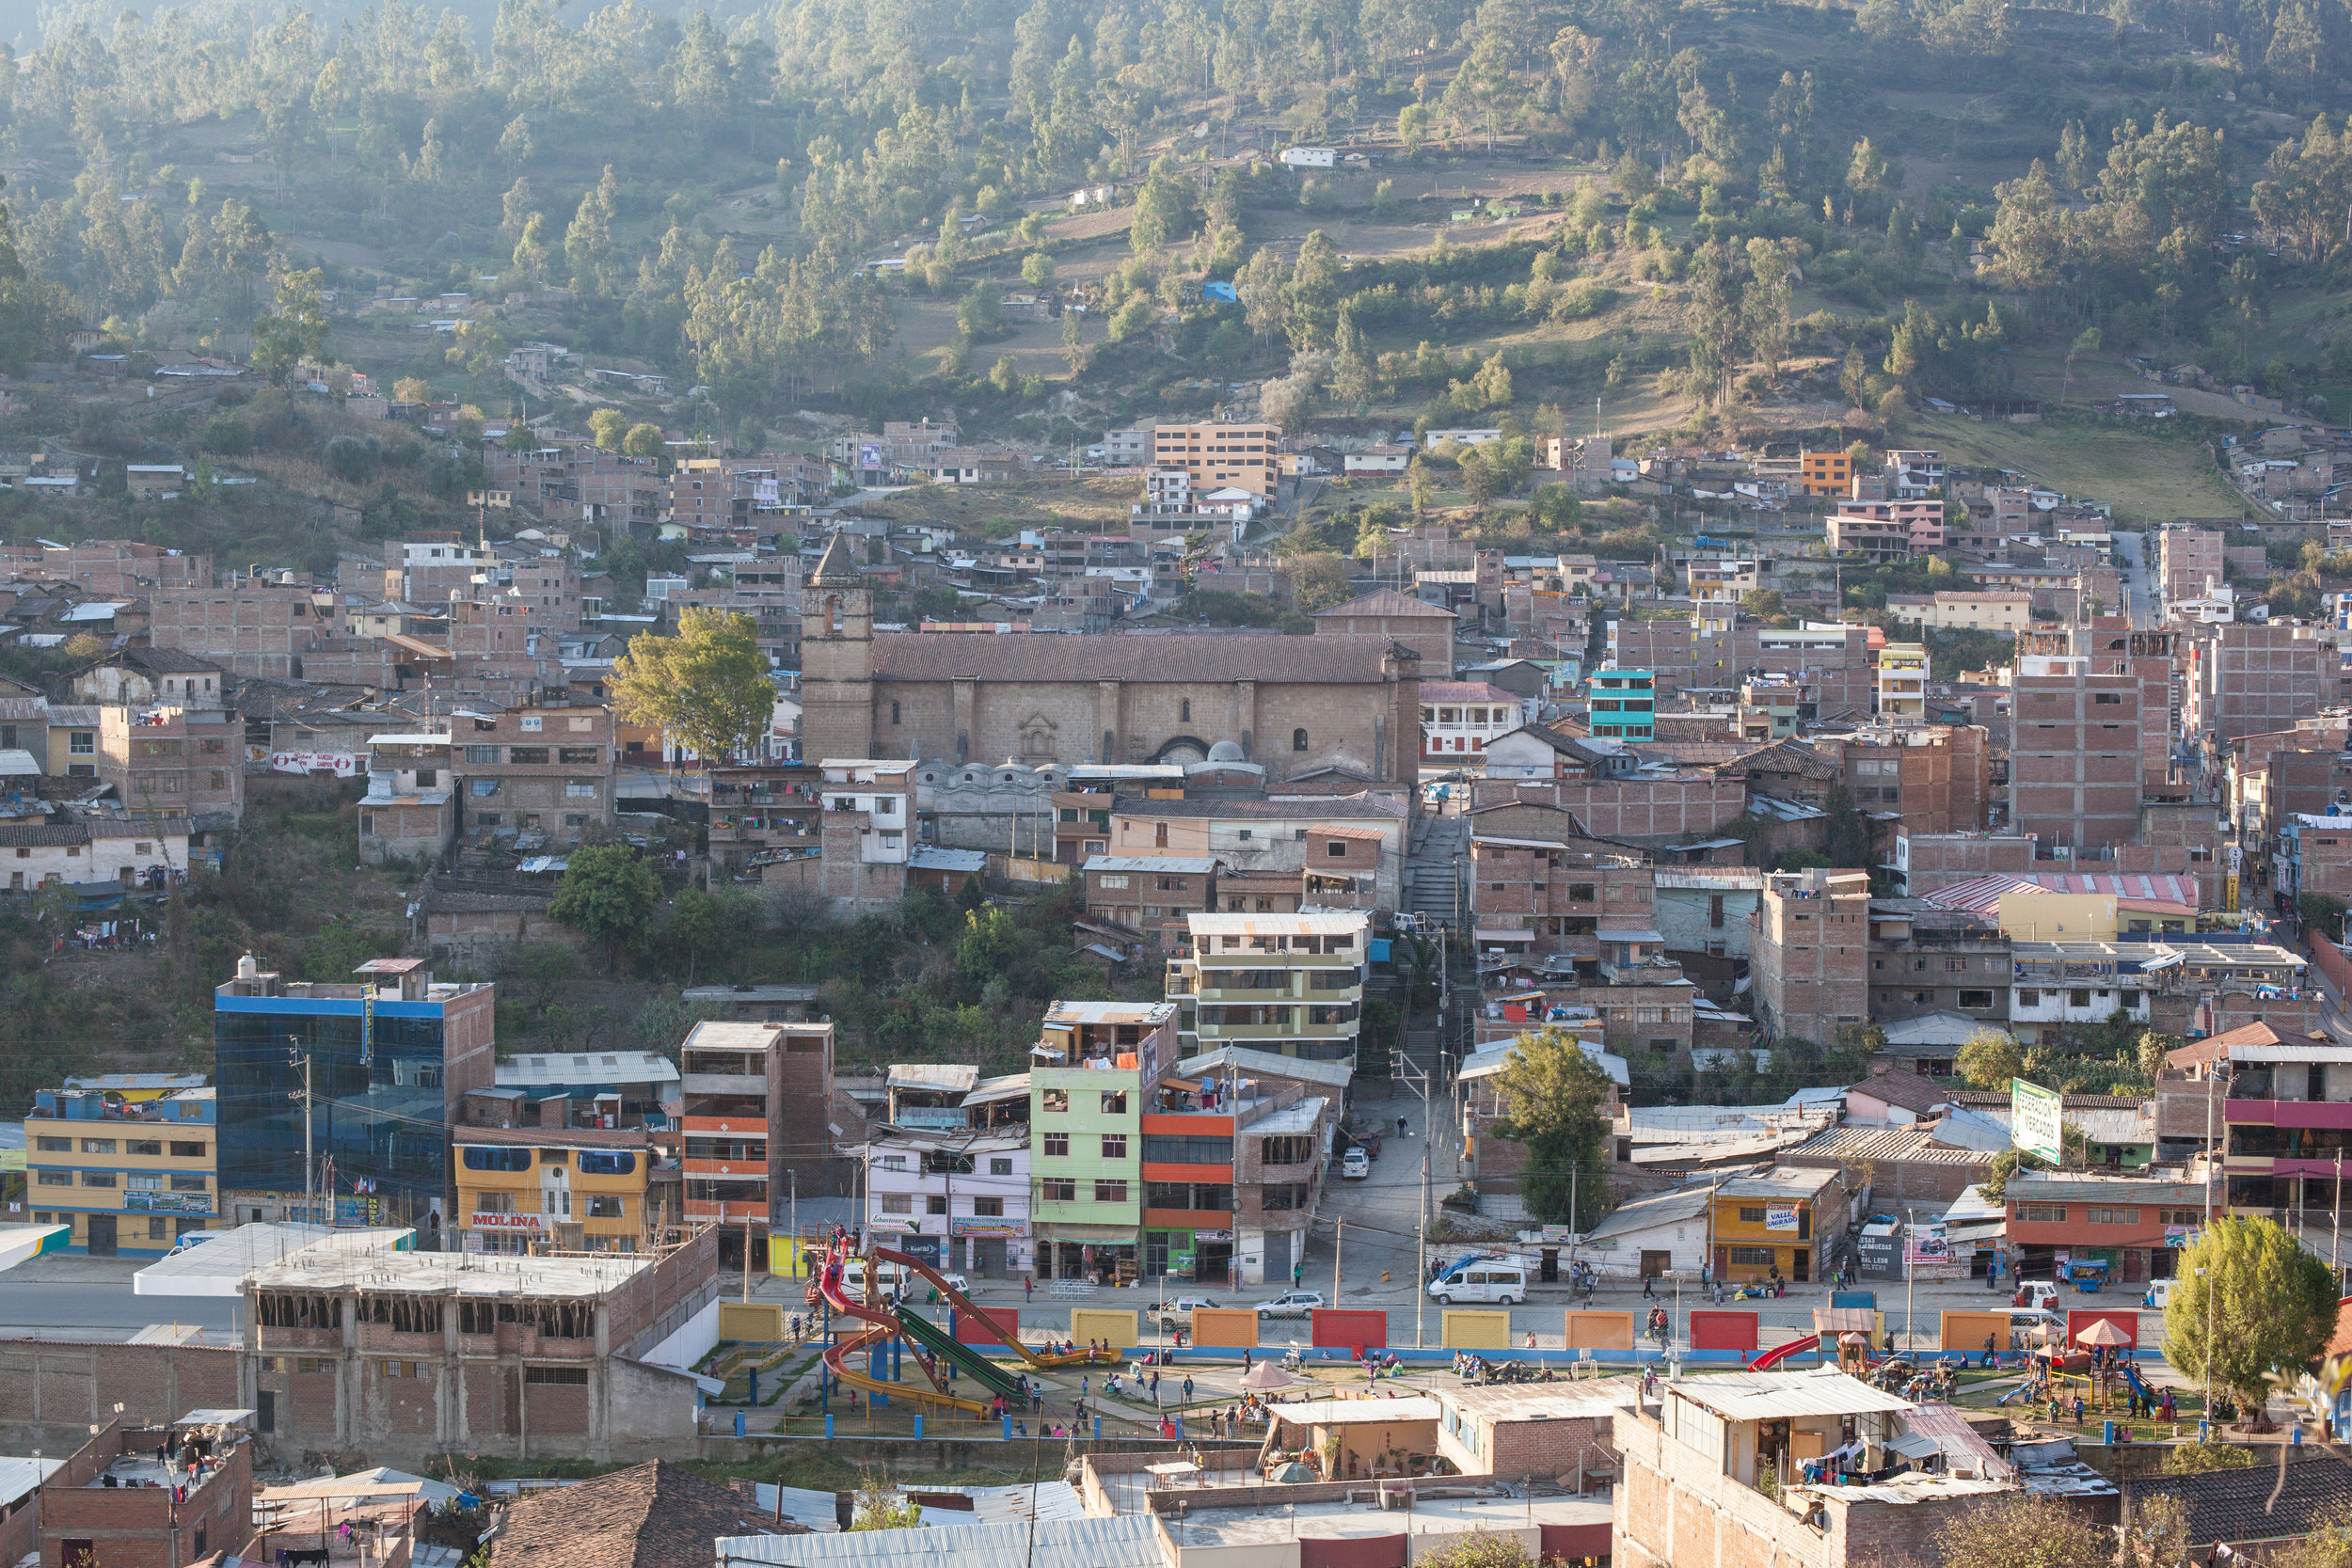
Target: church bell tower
836,658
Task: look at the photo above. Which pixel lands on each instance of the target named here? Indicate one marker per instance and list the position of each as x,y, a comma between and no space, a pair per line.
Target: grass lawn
2145,478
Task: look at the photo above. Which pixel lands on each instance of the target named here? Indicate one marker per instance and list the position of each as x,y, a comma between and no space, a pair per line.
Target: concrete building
1623,705
1809,953
755,1098
115,1502
1243,456
128,1176
1291,985
1253,835
2188,560
1460,719
954,1197
2075,758
409,1352
579,1189
1900,697
387,1063
1926,959
1093,1064
1707,908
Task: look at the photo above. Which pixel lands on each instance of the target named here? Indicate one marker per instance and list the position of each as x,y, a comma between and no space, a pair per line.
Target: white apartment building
956,1199
1292,985
884,791
1902,684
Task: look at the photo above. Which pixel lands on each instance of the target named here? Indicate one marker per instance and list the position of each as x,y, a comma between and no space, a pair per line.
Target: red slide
1778,1354
884,1328
956,1299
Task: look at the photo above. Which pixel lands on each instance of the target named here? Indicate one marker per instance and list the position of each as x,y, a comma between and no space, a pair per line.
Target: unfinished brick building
2254,678
1808,949
2075,761
254,626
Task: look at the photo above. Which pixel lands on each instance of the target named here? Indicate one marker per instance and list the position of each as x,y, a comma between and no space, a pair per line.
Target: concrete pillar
348,1368
1245,717
966,721
1108,717
449,1386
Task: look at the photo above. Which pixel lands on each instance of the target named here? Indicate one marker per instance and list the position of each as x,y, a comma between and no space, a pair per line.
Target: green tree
2322,913
1556,1091
606,427
707,688
1163,209
879,1507
294,328
1989,1059
703,924
608,893
2258,1305
2018,1531
643,440
1037,269
1478,1549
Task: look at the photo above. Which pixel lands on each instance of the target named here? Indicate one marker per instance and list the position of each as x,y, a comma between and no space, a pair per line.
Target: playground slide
962,1303
1778,1354
2131,1375
882,1327
922,1331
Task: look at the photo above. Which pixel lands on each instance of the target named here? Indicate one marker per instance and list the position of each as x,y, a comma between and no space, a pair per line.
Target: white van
888,1277
1489,1280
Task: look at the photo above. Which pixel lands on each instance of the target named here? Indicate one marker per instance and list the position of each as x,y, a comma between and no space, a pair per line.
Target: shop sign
504,1222
1780,1216
988,1228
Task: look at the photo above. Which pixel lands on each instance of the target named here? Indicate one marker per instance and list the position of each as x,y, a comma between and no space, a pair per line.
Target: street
64,1297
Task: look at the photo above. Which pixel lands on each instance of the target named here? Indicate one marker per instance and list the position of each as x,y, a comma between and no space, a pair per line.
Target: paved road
58,1309
2134,559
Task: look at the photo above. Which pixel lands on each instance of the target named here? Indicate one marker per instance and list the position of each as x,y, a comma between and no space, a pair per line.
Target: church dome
1225,751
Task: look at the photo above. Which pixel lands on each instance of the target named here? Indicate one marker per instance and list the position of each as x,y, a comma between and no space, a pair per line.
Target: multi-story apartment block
1093,1065
129,1173
538,769
1937,777
255,626
2277,1106
367,1076
1901,696
1887,530
1221,456
2187,560
731,1087
1825,473
581,1189
175,762
1809,953
432,568
2256,679
1927,959
1232,1151
2075,754
1292,985
1915,474
1545,900
1623,705
956,1198
1459,718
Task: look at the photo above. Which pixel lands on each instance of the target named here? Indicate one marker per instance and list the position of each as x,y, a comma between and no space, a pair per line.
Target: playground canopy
2103,1332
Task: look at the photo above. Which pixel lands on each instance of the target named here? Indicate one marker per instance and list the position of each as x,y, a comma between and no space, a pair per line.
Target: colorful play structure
890,1328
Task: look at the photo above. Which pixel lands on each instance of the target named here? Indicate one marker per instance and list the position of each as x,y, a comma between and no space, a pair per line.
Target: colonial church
1333,703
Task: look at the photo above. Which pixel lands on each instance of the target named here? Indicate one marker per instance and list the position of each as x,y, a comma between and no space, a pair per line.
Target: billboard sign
2035,1119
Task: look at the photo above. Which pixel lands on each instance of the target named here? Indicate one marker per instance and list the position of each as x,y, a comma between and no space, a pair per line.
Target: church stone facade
1296,706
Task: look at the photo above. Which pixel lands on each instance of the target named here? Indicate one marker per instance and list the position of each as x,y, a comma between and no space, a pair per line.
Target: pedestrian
1719,1293
1028,1286
1531,1339
1244,1363
1647,1293
1187,1387
1082,1385
1400,1129
1299,1273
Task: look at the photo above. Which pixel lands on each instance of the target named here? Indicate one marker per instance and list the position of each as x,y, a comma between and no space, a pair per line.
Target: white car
1290,1304
1354,1165
1178,1313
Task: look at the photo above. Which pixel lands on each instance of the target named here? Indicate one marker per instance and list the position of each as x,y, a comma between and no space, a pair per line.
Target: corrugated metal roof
1303,923
951,1077
1768,1396
1358,1412
1130,1540
1887,1143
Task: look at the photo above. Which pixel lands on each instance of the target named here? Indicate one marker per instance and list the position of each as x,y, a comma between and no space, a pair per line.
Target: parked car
190,1240
1502,1280
1290,1304
2023,1320
1178,1313
1354,1165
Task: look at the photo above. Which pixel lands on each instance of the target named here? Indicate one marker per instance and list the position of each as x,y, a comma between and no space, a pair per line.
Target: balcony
725,1213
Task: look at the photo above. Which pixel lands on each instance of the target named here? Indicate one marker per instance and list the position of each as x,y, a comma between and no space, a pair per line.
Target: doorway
1657,1265
1801,1264
102,1235
988,1257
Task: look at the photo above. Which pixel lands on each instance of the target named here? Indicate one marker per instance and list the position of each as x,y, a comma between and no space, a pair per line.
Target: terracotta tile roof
2239,1506
1325,658
647,1516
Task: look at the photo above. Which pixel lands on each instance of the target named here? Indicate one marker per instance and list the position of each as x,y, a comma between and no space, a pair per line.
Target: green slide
971,1363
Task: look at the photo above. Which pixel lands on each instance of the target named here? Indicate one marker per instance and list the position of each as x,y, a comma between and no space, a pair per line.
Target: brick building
2187,560
1424,627
2074,760
1565,898
253,625
175,761
2253,678
541,769
1937,777
114,1503
1926,959
1809,952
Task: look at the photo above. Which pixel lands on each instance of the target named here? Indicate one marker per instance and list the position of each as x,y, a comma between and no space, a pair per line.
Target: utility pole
793,1179
1911,1282
1421,1249
747,1258
2213,1078
295,1053
1339,1238
2335,1240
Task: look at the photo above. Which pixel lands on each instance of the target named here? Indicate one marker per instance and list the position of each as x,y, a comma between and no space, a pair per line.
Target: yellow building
1902,684
571,1189
1788,1223
1826,473
2029,914
1221,456
130,1176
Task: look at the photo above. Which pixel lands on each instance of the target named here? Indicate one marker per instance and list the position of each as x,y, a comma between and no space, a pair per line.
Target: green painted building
1092,1067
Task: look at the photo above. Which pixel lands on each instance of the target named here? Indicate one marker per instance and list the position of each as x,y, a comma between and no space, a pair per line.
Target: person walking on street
1647,1293
1187,1387
1400,1129
1028,1287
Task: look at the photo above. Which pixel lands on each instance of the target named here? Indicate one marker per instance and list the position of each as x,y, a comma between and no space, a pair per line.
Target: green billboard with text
2035,1119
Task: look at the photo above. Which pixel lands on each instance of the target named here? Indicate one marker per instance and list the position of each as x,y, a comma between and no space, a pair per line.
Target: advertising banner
2035,1119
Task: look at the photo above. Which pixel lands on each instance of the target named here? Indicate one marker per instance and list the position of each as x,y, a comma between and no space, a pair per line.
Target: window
1751,1215
988,1208
144,1182
1057,1145
893,713
574,1377
526,754
2043,1213
1057,1189
2028,997
936,1203
1183,711
893,1162
2179,1216
2105,698
1114,1102
580,790
56,1146
898,1203
483,789
579,756
1000,1164
496,1159
55,1178
1109,884
2112,1216
1114,1146
1054,1099
481,753
1752,1257
82,743
98,1179
1110,1192
98,1145
181,1183
1298,741
2078,998
607,1205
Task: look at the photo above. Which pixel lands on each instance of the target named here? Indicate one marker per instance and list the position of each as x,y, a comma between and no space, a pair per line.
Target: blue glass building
391,1059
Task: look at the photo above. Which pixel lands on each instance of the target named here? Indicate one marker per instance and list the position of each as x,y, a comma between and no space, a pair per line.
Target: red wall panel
1352,1327
2080,1317
1723,1331
988,1326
